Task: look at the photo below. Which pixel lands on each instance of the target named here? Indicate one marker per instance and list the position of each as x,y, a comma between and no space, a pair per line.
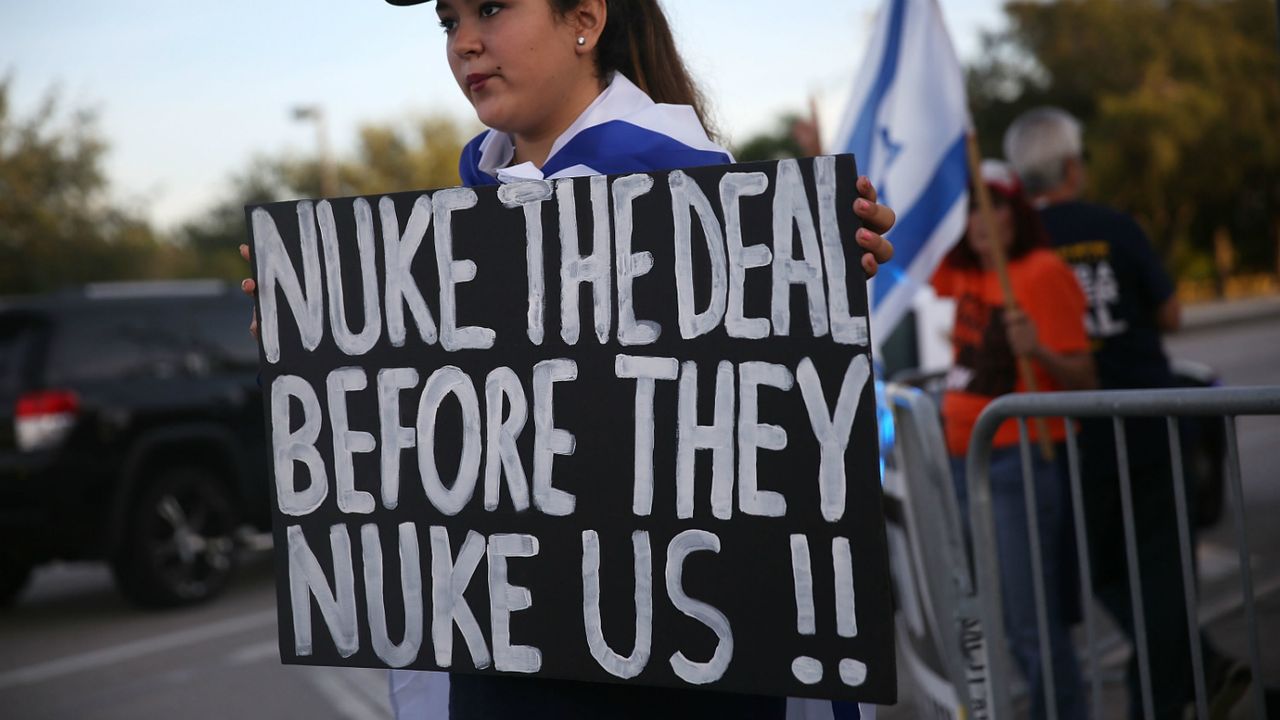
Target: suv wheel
179,546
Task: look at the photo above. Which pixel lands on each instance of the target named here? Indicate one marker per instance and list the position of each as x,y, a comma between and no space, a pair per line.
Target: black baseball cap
407,2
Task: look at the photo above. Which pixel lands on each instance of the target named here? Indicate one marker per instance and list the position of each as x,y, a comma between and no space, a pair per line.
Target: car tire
15,573
178,546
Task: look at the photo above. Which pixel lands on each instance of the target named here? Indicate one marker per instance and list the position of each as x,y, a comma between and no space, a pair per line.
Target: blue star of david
891,151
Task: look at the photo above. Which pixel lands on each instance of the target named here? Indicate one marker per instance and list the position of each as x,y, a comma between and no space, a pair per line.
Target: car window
152,338
221,325
112,341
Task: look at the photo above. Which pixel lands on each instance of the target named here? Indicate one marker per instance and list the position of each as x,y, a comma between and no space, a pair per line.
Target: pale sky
187,93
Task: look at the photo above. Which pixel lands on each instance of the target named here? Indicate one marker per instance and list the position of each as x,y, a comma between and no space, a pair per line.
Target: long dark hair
637,42
1028,231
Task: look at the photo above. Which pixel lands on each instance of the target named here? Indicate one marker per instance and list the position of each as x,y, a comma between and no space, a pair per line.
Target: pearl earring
581,41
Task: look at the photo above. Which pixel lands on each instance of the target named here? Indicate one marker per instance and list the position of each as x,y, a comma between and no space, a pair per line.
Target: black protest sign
608,429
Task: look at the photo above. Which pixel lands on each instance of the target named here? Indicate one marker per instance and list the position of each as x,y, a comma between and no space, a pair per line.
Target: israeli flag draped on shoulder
907,124
623,131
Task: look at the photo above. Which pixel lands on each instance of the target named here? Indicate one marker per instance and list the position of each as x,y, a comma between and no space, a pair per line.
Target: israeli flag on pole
907,123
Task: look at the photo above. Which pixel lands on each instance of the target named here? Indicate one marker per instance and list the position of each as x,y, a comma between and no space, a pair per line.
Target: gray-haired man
1131,302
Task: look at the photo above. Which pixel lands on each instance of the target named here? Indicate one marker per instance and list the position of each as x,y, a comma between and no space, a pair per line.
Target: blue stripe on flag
916,224
618,146
864,129
842,710
469,164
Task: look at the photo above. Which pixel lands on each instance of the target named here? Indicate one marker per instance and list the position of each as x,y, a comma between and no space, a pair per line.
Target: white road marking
374,684
95,659
257,652
348,690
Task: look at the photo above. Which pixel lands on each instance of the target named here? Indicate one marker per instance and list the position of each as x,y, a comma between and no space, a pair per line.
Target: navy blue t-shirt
1124,283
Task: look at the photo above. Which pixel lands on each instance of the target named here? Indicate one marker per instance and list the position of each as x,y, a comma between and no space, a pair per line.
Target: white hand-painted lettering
734,187
353,344
401,654
846,608
613,663
802,576
398,253
530,196
505,599
549,440
717,437
289,447
501,455
346,442
791,211
276,270
832,429
631,332
455,272
845,329
576,269
449,580
337,603
446,381
753,435
646,371
395,437
697,673
688,199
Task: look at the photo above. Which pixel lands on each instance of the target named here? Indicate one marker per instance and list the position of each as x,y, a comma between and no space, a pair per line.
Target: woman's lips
477,81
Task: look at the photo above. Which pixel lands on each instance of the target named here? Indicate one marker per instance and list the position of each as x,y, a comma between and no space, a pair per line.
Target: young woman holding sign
571,88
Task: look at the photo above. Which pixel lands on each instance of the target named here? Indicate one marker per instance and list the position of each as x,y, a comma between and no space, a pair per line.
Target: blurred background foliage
56,224
1181,105
390,157
1180,100
59,225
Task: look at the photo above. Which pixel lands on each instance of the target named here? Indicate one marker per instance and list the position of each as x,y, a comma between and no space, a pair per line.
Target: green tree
1180,102
58,225
418,154
778,143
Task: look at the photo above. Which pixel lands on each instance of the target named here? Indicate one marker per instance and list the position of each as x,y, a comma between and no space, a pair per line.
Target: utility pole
328,170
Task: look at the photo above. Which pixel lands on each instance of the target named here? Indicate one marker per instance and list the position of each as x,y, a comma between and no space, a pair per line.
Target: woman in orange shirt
1048,328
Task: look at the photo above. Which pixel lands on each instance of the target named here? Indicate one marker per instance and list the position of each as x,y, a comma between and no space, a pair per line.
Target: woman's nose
466,39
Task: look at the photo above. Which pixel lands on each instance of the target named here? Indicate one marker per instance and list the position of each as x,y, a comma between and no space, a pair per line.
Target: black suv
131,430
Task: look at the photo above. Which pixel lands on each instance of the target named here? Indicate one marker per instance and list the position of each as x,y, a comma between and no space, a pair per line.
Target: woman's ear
588,20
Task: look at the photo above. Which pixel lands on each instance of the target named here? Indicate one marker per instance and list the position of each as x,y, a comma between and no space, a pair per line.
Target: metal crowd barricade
944,634
1228,403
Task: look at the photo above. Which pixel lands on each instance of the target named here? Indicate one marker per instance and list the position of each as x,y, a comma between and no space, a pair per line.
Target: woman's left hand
876,219
1023,338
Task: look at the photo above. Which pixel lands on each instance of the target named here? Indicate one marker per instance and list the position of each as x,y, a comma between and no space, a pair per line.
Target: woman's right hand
250,288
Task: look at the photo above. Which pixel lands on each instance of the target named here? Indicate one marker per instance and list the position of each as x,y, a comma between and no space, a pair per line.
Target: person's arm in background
1055,306
1072,370
1157,287
1169,315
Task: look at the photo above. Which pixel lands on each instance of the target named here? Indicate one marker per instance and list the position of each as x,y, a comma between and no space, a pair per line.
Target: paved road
1245,354
73,649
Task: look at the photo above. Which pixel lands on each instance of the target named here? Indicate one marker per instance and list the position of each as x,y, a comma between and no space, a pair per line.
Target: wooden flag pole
986,217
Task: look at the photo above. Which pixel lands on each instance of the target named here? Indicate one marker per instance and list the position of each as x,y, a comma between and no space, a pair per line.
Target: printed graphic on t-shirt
984,362
1091,262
